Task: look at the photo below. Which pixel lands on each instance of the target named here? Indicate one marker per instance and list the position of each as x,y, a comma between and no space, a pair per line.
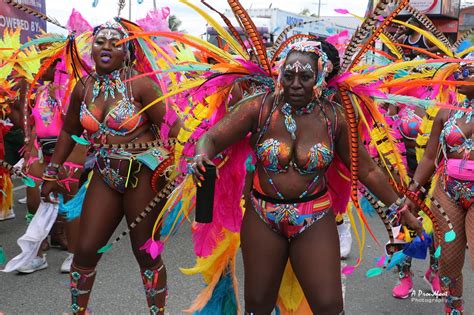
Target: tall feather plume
282,36
251,30
371,41
463,38
428,24
227,22
361,33
33,12
121,5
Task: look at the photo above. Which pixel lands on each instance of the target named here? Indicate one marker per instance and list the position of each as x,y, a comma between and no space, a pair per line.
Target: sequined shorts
290,218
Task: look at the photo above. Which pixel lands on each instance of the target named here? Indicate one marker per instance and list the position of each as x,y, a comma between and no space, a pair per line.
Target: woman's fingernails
203,169
199,184
201,178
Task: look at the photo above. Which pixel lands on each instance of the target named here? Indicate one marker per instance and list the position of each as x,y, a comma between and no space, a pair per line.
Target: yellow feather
390,46
291,295
220,30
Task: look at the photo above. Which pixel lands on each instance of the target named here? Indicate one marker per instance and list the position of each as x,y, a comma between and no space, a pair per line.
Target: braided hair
333,56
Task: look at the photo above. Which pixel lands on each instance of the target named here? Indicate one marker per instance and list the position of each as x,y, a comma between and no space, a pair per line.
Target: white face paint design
298,66
108,34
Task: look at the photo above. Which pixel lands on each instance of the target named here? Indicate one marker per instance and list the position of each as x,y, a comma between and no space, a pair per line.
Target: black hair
333,56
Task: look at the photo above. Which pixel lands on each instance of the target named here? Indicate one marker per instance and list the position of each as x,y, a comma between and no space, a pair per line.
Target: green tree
307,12
174,23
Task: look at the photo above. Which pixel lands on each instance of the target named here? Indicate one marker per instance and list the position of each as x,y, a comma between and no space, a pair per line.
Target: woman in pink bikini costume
450,156
43,129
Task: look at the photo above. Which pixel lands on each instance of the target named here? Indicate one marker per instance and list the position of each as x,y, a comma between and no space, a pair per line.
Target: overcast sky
192,23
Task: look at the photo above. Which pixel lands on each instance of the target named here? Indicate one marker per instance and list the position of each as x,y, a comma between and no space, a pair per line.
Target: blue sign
290,20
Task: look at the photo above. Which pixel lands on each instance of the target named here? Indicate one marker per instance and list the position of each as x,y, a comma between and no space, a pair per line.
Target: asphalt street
118,288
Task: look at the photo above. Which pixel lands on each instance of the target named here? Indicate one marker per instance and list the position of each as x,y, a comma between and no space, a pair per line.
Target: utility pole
319,8
154,4
129,10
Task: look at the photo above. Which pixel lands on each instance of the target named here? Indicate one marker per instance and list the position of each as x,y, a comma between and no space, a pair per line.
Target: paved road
118,288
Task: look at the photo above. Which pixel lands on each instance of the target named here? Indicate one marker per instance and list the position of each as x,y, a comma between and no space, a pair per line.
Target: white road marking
343,281
19,187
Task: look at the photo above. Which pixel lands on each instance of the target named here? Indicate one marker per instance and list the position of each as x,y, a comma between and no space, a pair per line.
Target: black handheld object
205,195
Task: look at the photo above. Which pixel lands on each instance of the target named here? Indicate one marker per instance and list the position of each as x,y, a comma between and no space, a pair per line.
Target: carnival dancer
289,208
407,122
47,120
449,158
127,154
6,185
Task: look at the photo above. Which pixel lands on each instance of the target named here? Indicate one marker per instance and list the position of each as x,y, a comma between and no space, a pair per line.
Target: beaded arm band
51,172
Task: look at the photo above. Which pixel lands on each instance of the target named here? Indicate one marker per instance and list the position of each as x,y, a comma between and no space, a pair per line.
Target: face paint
297,66
109,34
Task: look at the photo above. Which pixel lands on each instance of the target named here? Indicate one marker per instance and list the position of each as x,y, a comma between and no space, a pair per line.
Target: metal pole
130,10
319,8
154,4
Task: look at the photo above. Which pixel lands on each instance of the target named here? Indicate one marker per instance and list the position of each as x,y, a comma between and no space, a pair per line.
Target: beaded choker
460,113
290,122
107,84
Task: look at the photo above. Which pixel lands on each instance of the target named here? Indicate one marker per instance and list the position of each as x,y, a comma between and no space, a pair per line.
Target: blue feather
397,258
367,207
170,219
73,208
43,40
222,300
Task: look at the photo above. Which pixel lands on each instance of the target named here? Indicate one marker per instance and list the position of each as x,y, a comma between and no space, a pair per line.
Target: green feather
80,140
43,40
3,258
104,249
28,181
374,272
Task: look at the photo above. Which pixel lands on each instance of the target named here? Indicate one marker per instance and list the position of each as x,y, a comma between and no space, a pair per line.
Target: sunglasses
464,73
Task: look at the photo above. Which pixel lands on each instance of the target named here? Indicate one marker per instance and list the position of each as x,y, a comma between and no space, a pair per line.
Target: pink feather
205,238
339,187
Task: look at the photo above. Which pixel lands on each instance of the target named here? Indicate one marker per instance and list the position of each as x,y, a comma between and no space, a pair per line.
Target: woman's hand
48,188
412,207
197,168
410,221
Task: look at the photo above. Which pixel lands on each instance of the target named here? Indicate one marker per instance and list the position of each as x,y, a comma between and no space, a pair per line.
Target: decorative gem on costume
468,104
290,122
107,83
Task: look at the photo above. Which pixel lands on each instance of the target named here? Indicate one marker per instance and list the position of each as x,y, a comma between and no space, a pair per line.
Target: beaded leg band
450,309
150,279
82,281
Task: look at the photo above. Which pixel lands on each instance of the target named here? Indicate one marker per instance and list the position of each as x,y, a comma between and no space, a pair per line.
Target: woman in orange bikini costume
125,144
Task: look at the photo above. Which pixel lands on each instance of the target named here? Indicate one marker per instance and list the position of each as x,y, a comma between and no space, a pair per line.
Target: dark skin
453,253
319,275
427,165
103,207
